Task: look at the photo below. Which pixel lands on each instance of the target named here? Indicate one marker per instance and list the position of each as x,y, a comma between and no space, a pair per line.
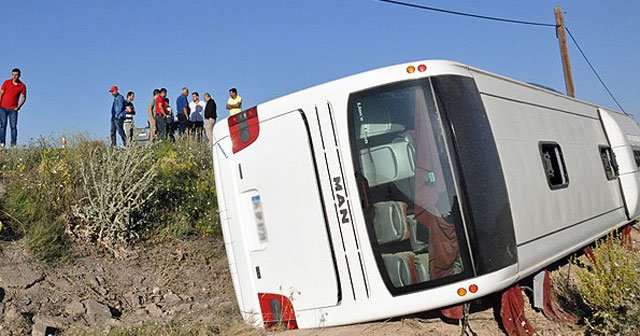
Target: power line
593,69
531,23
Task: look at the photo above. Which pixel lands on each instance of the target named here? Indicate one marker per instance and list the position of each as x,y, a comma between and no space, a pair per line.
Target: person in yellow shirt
234,103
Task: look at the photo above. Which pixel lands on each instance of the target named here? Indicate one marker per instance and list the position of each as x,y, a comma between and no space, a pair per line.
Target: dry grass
175,328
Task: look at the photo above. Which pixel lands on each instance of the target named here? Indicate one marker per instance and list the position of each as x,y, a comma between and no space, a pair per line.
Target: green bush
18,161
104,195
115,184
56,175
186,201
610,287
47,241
27,213
567,293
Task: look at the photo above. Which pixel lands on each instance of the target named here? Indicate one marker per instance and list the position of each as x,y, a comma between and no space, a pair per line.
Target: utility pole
564,52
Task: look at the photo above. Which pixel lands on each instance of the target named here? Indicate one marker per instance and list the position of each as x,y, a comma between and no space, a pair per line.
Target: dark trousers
12,116
183,123
117,125
198,127
171,129
161,126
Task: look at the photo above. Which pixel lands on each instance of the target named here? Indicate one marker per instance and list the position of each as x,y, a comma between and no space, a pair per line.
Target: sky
72,51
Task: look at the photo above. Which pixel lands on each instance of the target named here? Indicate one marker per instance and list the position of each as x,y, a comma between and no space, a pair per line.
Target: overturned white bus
410,188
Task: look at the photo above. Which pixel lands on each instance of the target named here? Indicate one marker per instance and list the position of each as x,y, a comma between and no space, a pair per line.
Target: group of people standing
190,118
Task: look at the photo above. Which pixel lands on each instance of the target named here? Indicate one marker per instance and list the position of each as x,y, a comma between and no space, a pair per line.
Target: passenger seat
400,267
388,162
407,268
390,221
422,267
416,244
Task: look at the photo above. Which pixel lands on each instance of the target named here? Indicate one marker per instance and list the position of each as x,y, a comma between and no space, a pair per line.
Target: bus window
412,211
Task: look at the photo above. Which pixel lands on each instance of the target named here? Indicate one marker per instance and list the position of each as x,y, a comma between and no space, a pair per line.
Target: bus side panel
521,119
282,217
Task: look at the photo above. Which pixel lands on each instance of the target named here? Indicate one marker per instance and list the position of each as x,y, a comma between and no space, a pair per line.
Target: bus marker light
462,292
473,288
422,68
244,129
277,311
411,69
233,120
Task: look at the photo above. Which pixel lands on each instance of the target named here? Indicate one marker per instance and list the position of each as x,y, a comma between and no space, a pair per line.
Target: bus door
283,216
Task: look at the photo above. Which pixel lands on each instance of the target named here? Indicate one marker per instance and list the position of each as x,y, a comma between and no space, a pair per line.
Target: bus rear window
412,209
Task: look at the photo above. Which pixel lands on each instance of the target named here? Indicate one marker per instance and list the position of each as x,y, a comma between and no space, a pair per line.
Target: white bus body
410,188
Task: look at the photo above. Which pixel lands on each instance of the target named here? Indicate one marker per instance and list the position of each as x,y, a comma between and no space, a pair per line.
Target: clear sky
71,52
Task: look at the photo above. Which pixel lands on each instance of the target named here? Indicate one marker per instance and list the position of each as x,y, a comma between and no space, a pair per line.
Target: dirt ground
184,285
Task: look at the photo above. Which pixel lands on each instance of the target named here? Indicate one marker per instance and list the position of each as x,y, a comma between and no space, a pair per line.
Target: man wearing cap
118,114
10,104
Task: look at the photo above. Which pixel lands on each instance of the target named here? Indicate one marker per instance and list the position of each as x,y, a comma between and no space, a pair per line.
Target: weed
105,195
116,184
609,286
567,293
28,214
178,328
47,240
186,199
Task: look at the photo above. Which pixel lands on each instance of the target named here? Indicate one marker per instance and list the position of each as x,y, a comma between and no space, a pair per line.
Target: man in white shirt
196,117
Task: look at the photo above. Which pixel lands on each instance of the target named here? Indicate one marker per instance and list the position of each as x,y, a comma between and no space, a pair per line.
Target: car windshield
409,197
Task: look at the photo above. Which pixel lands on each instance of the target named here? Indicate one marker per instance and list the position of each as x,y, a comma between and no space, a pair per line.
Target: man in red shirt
161,113
10,104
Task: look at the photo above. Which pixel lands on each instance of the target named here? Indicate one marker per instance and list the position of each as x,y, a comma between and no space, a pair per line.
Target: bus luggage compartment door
285,226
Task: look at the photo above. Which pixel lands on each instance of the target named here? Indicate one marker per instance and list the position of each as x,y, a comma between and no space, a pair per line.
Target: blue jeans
161,126
13,123
117,125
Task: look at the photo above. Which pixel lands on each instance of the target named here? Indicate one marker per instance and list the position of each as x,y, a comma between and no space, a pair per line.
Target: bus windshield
407,186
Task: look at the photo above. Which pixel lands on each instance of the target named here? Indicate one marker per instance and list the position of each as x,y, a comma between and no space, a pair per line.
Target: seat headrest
389,162
390,221
399,268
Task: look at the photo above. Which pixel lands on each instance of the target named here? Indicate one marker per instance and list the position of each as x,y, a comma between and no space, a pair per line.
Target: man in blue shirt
117,116
181,103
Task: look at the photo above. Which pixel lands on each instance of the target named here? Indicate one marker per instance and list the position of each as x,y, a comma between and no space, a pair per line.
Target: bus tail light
244,129
462,292
422,68
473,288
411,69
277,311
